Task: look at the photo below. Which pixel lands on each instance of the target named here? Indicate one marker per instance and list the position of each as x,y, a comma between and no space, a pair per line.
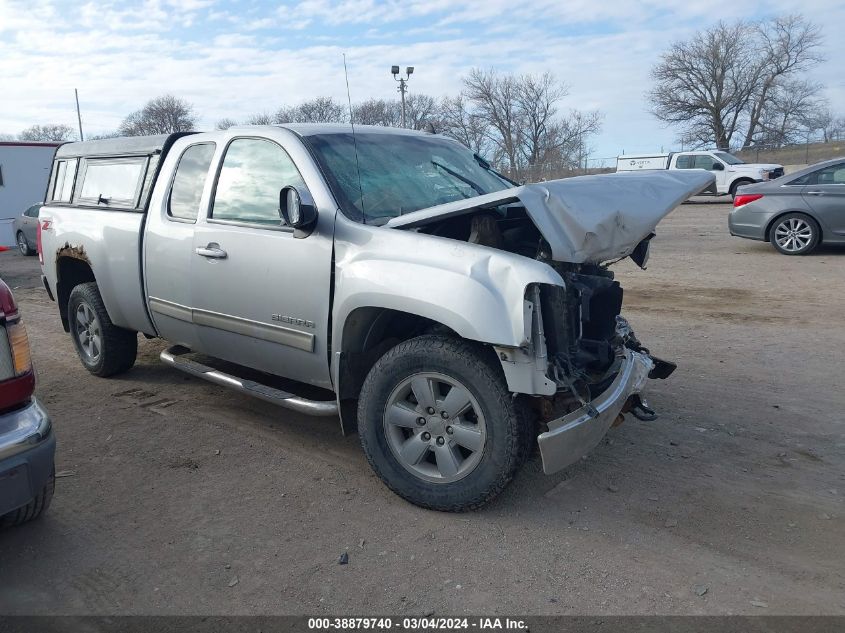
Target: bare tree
705,85
225,123
6,137
787,45
791,113
458,122
163,115
420,110
378,112
262,118
321,110
48,132
495,98
823,121
537,98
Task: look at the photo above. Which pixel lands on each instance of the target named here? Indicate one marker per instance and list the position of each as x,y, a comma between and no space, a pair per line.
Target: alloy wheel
88,332
793,235
435,427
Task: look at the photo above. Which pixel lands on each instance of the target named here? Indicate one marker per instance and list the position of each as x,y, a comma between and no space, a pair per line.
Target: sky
233,58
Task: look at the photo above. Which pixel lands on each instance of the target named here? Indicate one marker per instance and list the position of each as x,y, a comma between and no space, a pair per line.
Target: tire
447,474
103,348
795,234
23,244
737,185
34,508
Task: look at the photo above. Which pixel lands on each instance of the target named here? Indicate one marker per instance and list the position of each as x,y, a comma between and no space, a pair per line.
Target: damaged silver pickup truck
394,277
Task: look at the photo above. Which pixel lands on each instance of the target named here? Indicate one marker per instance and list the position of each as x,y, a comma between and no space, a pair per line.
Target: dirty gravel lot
188,499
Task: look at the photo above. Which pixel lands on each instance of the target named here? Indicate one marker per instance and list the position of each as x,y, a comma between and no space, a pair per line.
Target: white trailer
636,162
24,169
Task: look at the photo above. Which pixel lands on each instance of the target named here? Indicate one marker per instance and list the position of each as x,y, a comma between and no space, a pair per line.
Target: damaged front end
596,362
583,364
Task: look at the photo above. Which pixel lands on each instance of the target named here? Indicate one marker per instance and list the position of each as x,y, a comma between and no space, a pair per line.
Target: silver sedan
26,225
796,212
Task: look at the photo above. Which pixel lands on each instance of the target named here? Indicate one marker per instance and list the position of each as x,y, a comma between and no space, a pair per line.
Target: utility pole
403,85
78,115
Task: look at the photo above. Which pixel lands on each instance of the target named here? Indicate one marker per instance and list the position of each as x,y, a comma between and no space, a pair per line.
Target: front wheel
795,234
103,348
438,424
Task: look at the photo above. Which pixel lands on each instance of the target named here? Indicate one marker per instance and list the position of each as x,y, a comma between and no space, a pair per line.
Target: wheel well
70,272
739,182
772,222
367,334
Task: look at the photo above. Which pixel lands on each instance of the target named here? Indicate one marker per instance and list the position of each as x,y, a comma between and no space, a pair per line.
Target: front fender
478,292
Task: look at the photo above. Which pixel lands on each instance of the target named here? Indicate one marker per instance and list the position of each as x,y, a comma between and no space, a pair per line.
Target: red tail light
17,380
745,198
42,225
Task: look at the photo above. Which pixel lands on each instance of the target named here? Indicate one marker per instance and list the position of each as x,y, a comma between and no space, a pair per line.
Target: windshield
730,159
399,173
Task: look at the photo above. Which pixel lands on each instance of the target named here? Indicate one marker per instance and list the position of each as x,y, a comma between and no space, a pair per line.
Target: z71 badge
292,320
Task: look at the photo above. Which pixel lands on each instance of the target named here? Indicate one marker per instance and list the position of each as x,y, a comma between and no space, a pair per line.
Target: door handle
212,251
815,193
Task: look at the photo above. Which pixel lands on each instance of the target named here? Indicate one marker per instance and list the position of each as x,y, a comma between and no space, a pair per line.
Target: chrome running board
174,357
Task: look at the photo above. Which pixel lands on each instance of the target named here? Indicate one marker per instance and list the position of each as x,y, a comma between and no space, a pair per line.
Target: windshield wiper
464,180
485,165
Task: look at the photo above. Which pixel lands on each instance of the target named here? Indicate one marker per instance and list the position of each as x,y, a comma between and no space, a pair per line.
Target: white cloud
233,61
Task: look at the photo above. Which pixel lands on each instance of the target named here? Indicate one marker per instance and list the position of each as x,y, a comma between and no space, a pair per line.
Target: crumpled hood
586,218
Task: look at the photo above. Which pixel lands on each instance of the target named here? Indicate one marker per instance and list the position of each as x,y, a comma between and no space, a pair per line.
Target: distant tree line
745,85
516,121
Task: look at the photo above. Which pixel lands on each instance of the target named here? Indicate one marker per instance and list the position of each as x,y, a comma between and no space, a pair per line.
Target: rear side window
832,175
186,192
251,177
684,162
112,182
63,183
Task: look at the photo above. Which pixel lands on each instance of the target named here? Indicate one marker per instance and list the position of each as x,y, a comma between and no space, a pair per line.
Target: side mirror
717,167
297,208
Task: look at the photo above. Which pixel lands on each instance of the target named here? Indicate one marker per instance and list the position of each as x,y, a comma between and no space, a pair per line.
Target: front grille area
776,173
580,320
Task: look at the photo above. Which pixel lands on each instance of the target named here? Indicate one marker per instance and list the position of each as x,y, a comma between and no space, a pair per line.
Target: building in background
24,170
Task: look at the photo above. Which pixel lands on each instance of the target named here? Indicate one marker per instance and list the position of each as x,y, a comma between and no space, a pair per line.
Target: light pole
403,84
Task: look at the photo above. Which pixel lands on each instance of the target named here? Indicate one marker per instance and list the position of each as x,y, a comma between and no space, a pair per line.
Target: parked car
25,229
440,304
27,443
795,213
730,172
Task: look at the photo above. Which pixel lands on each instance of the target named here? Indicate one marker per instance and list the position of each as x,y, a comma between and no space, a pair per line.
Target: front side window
833,175
684,162
113,182
188,183
63,184
253,173
703,161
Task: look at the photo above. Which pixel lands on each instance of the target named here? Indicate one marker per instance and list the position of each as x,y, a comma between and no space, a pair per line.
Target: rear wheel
737,185
438,424
103,348
23,244
795,234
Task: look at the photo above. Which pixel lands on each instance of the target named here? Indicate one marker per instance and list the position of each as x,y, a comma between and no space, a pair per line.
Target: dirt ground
184,498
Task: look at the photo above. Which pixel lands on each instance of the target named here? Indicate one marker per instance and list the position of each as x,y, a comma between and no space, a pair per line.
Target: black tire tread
29,249
34,508
518,444
120,346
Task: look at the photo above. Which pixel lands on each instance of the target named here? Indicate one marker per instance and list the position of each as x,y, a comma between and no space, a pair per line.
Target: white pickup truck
730,172
393,277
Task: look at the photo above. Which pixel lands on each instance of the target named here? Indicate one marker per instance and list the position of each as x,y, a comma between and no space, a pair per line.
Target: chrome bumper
23,429
572,436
